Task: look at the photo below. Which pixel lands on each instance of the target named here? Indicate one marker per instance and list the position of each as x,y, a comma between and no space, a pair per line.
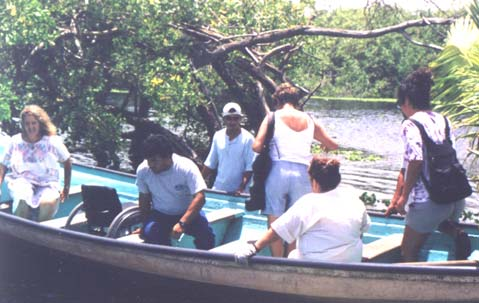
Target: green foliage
67,56
456,72
24,22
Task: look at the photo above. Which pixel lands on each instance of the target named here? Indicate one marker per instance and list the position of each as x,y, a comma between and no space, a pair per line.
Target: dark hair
157,145
287,93
325,171
416,87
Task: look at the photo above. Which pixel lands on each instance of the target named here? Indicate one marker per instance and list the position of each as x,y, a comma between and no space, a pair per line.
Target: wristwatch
182,224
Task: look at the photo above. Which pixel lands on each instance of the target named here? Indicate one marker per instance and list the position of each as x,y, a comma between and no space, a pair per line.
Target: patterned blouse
36,162
435,128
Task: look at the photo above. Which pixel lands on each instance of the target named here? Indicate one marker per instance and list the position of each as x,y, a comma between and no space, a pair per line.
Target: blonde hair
47,128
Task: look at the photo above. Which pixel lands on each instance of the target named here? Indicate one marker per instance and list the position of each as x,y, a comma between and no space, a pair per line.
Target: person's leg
421,220
22,209
49,198
452,228
157,228
276,247
411,244
277,186
201,230
299,185
21,191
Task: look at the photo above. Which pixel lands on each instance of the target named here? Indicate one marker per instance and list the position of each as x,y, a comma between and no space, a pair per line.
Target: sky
406,4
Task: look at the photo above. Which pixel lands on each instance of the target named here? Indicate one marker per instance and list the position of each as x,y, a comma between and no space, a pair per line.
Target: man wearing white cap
231,153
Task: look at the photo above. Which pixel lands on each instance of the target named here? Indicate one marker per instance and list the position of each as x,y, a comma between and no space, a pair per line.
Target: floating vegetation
349,154
369,199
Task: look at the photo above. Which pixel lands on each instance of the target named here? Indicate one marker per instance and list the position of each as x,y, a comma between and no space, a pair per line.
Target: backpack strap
270,130
427,141
448,131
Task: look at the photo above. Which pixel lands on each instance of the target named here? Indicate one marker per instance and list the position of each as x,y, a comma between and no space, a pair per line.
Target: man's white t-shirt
171,190
326,226
231,158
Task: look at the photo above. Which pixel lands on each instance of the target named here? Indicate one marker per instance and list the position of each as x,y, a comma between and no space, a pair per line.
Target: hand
177,231
64,194
244,253
400,205
238,192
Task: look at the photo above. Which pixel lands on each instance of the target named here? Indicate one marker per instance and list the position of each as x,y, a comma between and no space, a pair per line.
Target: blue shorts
158,226
286,183
425,217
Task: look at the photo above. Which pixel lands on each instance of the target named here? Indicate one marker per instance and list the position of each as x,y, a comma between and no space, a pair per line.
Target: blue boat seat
385,249
226,223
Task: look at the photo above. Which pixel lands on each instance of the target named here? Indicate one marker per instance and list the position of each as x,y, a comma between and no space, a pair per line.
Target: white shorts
21,189
425,217
286,183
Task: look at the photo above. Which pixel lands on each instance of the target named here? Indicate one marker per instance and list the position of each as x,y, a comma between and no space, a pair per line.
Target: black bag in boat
447,178
261,168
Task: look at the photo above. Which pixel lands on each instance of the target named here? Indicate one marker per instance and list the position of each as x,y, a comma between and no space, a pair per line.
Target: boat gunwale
260,260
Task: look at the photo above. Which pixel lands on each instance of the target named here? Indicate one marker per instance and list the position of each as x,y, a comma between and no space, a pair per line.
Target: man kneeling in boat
171,196
328,223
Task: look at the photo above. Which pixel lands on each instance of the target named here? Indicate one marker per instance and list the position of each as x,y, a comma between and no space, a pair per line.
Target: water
374,128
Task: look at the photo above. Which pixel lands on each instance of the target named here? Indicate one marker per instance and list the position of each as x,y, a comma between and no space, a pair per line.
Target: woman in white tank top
291,153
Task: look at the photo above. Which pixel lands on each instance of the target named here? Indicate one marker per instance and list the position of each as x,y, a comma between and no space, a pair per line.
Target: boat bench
222,221
383,248
79,220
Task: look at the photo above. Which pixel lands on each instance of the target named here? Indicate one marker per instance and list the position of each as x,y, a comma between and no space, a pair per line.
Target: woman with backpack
411,198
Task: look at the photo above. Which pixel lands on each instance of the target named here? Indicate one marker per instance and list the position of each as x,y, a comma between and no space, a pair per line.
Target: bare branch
277,35
410,39
262,98
274,51
310,94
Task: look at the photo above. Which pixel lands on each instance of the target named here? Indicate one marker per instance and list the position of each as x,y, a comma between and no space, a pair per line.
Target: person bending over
327,224
171,196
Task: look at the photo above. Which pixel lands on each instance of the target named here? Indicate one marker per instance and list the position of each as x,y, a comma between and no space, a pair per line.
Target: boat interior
111,210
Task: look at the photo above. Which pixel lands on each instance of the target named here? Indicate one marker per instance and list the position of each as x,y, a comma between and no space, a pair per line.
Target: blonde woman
33,156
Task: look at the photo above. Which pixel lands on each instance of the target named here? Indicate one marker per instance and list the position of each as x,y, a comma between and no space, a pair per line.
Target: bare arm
67,176
267,238
3,171
413,172
261,136
192,211
206,171
326,141
244,181
397,193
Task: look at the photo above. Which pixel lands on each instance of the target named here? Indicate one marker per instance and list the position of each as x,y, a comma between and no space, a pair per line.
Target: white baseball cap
232,109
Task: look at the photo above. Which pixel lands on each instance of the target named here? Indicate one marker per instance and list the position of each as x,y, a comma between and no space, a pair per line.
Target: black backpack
447,178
